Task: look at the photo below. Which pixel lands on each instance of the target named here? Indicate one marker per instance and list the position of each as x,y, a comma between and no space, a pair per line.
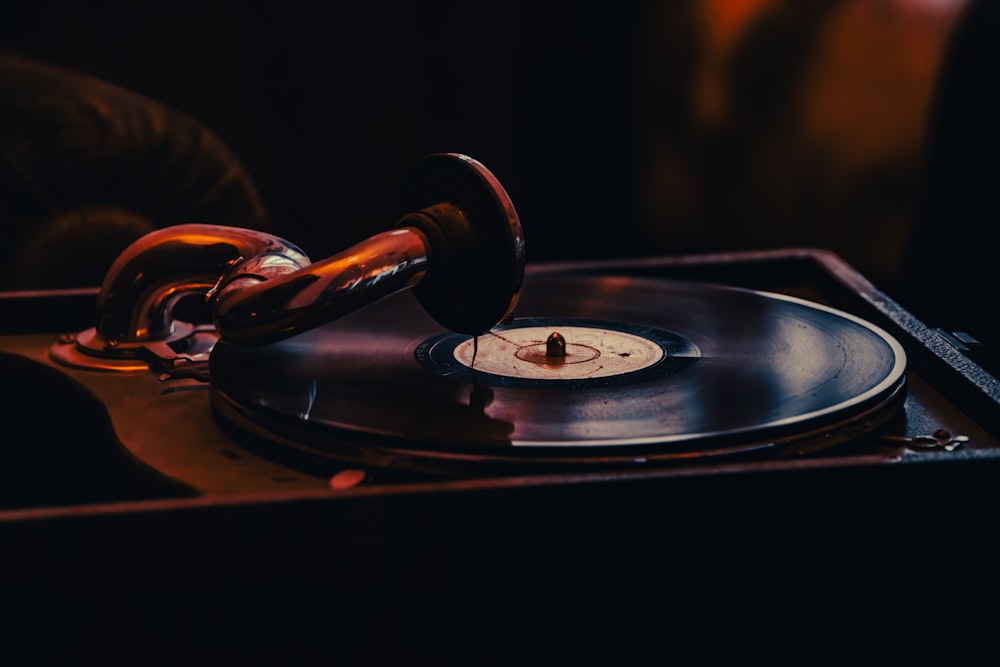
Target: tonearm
457,242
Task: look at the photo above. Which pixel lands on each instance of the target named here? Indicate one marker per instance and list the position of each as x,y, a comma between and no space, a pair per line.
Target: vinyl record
591,371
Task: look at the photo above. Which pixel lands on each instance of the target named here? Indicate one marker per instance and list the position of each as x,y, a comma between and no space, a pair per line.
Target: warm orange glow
723,22
802,124
868,95
726,19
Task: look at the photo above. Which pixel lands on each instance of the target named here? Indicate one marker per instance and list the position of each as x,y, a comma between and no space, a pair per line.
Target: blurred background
623,129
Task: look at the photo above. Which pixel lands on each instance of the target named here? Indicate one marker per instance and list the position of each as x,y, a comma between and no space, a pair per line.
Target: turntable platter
592,370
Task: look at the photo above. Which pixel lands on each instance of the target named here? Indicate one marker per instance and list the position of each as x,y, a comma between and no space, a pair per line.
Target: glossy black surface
765,368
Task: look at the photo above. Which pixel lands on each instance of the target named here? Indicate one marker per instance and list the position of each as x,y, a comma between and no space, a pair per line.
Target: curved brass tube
455,217
261,288
258,302
147,280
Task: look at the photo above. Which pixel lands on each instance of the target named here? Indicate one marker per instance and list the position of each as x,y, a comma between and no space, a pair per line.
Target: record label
588,353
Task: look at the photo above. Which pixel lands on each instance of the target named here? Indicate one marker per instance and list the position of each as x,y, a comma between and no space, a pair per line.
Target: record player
226,427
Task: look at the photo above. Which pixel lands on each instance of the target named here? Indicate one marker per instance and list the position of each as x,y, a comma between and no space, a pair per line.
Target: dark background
642,128
329,106
864,126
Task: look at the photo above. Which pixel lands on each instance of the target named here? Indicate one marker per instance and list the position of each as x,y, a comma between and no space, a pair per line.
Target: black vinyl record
645,370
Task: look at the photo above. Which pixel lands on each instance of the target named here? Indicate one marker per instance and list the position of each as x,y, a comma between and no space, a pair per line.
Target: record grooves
706,370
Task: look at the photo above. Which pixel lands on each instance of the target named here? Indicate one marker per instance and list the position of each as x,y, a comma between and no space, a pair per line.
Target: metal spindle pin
555,346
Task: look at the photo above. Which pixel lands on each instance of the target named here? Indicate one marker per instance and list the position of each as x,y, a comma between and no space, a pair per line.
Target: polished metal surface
147,280
258,302
458,234
458,243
